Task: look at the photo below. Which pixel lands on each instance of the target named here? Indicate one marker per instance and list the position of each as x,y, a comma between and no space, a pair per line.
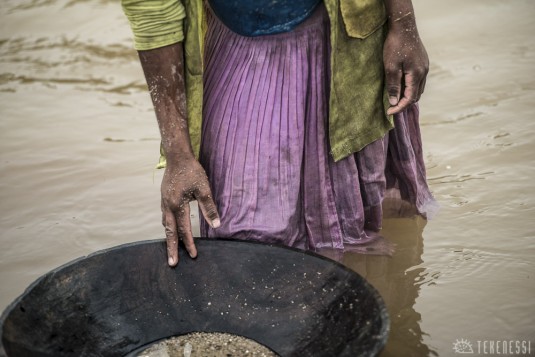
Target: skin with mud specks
404,55
184,179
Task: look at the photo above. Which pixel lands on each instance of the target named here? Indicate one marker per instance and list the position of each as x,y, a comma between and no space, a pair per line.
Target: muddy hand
406,63
182,184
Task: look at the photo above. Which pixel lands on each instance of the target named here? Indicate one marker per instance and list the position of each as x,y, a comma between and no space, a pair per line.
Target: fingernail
216,223
171,261
393,100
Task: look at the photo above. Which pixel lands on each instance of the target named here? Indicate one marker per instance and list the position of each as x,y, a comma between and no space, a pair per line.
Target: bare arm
184,179
405,58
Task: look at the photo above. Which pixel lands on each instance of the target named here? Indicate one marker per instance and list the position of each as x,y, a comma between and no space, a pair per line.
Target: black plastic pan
115,301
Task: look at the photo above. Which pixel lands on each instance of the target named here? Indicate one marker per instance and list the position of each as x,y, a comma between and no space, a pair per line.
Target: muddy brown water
78,143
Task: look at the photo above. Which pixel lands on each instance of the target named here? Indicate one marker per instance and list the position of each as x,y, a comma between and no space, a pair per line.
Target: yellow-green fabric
358,99
155,23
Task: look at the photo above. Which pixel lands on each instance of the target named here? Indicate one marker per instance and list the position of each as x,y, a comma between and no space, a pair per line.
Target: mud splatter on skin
184,178
405,58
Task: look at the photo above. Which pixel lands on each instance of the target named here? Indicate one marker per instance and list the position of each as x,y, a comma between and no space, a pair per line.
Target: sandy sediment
203,344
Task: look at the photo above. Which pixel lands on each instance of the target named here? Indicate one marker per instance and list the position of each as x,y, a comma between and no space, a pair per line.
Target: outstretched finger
184,230
171,237
208,207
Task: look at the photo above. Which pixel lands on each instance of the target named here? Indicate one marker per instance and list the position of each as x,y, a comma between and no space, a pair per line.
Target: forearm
400,14
164,72
157,26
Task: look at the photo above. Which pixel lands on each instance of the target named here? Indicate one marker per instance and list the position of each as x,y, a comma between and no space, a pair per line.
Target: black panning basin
117,300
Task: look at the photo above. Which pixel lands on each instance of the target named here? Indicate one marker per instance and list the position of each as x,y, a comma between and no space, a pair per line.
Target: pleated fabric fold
265,147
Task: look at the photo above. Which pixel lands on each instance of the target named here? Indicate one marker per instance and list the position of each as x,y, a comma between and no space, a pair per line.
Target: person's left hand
406,65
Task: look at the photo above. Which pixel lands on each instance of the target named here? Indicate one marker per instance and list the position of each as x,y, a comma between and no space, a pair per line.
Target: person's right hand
182,183
184,179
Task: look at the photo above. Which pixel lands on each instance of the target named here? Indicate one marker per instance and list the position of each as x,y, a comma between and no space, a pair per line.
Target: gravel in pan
203,344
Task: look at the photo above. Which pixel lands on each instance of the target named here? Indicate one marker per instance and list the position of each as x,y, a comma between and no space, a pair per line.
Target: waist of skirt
318,20
262,17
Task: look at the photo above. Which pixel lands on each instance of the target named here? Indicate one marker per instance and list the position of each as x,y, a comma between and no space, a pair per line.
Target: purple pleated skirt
265,145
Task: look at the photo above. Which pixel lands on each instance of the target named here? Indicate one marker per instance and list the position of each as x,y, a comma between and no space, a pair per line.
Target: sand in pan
204,344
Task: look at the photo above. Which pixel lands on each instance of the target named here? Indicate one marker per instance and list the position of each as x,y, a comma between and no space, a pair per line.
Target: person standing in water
288,121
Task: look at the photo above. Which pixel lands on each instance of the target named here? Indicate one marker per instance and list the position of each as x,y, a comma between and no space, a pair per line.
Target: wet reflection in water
398,281
397,278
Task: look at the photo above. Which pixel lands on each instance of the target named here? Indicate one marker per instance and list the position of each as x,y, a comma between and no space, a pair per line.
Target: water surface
78,144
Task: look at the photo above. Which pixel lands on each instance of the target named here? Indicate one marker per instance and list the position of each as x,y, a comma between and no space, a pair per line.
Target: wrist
400,14
402,21
174,158
175,142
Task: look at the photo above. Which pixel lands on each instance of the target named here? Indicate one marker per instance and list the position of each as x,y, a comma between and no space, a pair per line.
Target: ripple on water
457,178
63,61
13,6
456,119
81,52
462,263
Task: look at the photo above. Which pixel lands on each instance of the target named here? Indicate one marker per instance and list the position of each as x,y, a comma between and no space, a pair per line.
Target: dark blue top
262,17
